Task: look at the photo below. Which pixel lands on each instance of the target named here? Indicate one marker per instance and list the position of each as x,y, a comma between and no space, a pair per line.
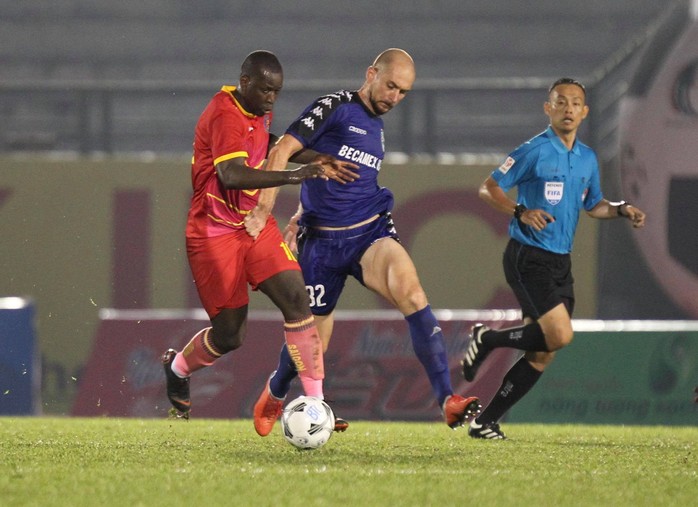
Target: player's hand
635,215
290,232
537,218
255,221
337,170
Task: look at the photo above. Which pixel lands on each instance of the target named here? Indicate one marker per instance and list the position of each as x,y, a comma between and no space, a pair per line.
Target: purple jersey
339,124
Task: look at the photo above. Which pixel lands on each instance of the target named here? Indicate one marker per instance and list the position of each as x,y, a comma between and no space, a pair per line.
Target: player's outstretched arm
340,171
283,150
286,149
289,149
235,174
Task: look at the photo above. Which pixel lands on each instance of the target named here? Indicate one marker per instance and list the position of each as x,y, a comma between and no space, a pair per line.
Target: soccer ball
307,422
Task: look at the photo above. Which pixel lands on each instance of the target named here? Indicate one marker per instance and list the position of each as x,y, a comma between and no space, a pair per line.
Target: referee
556,176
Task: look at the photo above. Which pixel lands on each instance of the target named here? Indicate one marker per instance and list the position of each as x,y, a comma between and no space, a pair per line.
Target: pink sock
198,353
305,348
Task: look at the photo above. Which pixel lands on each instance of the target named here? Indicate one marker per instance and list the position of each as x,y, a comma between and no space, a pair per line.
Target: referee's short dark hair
565,81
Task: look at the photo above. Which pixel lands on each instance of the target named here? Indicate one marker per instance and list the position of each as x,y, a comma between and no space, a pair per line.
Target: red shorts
223,265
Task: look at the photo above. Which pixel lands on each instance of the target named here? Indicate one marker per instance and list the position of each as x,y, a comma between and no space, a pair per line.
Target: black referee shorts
541,280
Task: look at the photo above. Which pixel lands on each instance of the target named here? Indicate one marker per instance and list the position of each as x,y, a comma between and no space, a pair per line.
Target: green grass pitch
135,462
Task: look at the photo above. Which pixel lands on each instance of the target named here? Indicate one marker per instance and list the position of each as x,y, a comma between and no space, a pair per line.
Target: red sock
305,348
198,353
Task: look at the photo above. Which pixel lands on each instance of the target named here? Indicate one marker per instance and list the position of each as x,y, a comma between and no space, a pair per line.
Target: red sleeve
228,132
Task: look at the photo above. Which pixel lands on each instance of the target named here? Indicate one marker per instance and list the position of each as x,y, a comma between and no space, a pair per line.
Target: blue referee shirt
550,177
339,124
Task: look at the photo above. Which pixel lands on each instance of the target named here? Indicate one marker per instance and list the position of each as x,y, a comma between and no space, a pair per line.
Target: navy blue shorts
328,257
541,280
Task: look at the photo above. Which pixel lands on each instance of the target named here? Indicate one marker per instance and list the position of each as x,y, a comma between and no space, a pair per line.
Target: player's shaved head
388,79
261,80
393,56
259,62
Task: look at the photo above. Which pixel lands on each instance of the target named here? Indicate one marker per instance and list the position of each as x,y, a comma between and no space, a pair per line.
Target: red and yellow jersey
224,131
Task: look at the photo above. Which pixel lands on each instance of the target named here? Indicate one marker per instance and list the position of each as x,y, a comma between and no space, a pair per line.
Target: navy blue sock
428,345
280,383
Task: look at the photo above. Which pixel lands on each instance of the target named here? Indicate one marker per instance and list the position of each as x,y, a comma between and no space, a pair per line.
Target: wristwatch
519,210
619,206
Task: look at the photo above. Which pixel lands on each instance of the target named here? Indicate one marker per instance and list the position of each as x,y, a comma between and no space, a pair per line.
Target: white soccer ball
307,422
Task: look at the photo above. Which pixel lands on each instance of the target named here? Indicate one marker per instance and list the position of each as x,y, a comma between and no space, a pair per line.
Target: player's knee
296,304
229,341
228,336
539,360
559,337
412,300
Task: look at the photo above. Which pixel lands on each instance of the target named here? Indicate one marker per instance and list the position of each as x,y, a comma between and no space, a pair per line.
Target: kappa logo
308,122
317,111
508,164
352,128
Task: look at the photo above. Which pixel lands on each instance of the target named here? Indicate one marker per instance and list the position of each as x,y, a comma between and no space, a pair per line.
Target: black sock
529,337
517,382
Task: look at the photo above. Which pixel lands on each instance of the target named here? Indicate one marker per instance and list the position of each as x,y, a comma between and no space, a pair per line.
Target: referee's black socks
516,383
529,337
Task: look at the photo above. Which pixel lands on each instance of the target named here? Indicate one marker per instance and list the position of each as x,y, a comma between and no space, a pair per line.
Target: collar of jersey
229,90
557,143
356,98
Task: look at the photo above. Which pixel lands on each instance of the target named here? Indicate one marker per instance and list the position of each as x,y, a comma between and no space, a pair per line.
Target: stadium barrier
20,372
615,372
371,370
619,372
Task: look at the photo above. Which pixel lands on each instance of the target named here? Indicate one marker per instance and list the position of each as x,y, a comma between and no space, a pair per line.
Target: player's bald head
260,62
392,57
388,79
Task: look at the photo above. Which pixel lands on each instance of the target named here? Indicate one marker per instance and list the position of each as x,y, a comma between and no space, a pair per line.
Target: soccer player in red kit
231,142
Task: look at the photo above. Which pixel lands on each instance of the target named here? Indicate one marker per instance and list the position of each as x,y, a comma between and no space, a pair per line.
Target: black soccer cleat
177,388
476,352
487,431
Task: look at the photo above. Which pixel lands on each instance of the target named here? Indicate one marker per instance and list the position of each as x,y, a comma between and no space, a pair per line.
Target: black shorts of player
328,257
541,280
